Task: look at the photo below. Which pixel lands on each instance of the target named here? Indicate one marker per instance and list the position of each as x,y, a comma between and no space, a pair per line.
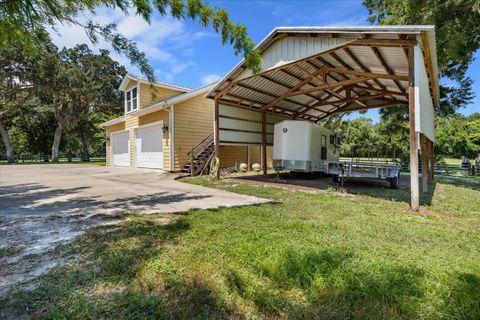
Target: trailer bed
382,170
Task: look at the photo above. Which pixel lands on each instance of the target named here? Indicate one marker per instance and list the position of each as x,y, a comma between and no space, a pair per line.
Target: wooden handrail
206,139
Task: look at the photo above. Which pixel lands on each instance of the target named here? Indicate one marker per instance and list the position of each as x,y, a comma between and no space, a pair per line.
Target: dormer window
131,100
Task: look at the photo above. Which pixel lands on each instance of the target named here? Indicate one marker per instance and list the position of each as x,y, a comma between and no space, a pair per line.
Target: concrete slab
42,206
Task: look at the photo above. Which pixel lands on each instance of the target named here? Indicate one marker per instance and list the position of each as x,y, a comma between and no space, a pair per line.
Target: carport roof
356,68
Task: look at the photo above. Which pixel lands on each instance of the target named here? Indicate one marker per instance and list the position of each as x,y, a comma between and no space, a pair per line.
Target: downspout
171,118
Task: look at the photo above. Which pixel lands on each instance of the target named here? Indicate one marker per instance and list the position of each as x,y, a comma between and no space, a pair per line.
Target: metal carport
311,73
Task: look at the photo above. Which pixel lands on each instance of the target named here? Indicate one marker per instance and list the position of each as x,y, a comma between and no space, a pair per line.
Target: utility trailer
303,146
382,170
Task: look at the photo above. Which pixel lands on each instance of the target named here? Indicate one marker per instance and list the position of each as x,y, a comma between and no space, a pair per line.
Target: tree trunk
7,143
56,142
85,155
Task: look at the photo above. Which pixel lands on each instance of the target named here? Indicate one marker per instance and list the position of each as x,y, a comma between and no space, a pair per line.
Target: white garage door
150,147
121,156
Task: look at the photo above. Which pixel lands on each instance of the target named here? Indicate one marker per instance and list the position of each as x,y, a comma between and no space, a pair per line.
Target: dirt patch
28,247
314,182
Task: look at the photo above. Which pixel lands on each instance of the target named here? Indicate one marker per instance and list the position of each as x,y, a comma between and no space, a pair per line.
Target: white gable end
293,48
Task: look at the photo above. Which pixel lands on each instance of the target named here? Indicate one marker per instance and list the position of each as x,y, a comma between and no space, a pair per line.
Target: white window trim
138,99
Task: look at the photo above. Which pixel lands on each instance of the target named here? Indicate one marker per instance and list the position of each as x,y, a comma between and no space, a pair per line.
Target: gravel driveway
43,206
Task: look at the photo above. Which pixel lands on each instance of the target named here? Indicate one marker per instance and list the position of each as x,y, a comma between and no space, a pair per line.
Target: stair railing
196,150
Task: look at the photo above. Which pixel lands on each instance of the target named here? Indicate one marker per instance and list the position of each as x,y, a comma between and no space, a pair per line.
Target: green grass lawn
327,255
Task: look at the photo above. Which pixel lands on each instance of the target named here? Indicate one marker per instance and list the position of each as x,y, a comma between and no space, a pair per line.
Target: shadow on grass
463,299
334,286
107,281
321,182
38,199
121,274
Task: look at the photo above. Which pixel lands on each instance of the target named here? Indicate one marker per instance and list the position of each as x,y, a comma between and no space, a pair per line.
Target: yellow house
161,125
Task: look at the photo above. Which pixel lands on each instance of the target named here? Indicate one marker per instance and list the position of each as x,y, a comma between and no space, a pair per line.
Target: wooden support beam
264,142
309,74
249,165
363,73
339,60
293,89
258,103
328,64
432,161
267,93
312,107
362,66
380,58
428,62
414,184
386,92
371,42
216,134
329,86
388,103
285,85
348,100
230,84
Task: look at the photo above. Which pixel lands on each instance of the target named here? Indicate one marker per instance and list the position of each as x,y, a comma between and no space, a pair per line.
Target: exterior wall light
164,129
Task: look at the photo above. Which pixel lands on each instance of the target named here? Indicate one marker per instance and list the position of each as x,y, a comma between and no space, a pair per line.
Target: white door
150,147
120,154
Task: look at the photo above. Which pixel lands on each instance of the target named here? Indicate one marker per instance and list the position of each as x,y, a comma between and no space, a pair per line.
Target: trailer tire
394,182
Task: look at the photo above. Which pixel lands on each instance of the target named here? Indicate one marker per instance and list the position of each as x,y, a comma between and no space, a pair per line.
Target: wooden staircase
200,157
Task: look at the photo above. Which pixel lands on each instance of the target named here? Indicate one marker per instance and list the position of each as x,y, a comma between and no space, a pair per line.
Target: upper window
131,100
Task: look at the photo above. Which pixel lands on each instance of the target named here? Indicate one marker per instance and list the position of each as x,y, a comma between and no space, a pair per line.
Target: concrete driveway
42,206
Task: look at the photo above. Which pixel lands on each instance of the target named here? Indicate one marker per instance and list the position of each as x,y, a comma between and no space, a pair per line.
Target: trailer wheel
336,178
395,182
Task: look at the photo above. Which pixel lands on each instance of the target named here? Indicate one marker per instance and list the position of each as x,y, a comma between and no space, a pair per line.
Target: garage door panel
149,142
120,154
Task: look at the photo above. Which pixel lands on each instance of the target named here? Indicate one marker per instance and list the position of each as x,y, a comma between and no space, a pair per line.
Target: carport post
414,184
264,142
216,137
432,161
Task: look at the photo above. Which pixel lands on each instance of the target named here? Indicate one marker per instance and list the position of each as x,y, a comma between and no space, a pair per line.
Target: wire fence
39,158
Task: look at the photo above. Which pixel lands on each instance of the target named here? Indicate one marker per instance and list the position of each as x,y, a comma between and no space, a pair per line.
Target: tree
13,91
458,136
359,138
25,23
394,130
457,34
75,83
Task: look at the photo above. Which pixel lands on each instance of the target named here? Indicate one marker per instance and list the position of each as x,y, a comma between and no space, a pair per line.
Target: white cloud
132,26
210,78
166,41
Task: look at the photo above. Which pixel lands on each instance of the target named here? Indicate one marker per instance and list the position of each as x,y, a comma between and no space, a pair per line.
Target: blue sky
183,53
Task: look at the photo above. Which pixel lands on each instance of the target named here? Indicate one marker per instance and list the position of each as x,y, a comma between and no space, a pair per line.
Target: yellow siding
160,115
149,94
231,155
131,122
113,128
193,121
130,85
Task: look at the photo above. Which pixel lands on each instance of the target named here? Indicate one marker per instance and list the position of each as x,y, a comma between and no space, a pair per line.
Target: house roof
348,32
314,72
165,85
113,121
162,104
174,100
